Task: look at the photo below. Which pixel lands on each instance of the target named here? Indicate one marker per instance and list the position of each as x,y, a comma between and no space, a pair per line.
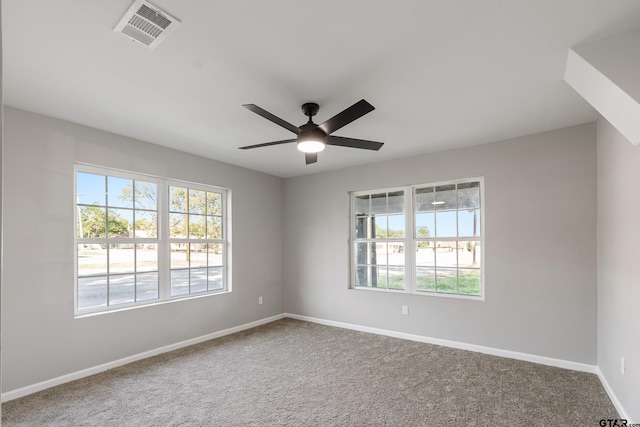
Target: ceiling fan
313,138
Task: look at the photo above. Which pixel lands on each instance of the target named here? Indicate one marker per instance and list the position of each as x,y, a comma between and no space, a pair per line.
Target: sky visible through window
91,189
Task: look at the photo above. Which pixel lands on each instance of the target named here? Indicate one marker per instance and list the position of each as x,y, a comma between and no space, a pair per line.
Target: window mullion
409,243
164,255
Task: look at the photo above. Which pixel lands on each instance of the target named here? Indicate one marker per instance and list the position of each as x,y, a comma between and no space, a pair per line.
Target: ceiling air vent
146,24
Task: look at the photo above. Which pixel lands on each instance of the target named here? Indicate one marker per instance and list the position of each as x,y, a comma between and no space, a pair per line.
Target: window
142,239
195,233
424,239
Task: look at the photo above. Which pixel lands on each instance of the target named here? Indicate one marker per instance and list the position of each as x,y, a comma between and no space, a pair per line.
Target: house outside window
422,239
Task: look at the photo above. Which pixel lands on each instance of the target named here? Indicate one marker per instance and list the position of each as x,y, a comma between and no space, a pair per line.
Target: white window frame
163,239
410,240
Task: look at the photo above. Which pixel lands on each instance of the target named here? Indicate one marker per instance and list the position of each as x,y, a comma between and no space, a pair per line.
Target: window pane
146,257
119,223
425,279
379,254
469,282
469,195
396,253
177,226
362,276
92,222
469,254
197,201
446,224
215,280
197,255
92,259
362,228
92,292
379,276
380,223
396,202
120,192
121,258
146,225
396,226
366,253
214,203
469,222
446,255
197,226
146,286
214,253
91,189
179,282
396,279
214,227
446,280
121,289
198,280
362,205
425,224
445,197
177,199
379,203
362,253
146,196
425,199
179,255
425,254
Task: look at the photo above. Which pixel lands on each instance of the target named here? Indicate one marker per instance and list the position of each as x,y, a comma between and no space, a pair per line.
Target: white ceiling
441,74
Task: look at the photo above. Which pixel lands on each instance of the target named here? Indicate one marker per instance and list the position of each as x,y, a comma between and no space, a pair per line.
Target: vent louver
146,24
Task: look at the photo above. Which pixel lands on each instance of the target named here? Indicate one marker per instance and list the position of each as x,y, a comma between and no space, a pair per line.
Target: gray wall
619,265
41,339
540,247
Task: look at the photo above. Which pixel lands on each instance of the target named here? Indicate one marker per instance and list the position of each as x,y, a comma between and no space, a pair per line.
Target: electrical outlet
405,310
259,300
623,366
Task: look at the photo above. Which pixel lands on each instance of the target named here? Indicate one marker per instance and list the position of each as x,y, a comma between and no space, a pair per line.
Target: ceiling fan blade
345,117
266,144
275,119
310,157
353,143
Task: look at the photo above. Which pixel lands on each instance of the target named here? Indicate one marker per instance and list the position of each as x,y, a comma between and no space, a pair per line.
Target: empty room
410,213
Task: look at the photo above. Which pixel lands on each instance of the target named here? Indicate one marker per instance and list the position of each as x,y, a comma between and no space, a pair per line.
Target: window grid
379,262
196,228
123,258
445,236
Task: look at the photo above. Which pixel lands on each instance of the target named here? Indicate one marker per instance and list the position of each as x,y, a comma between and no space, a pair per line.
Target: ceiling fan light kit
311,146
313,138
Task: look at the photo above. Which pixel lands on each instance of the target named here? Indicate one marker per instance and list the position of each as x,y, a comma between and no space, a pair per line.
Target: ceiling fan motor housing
310,109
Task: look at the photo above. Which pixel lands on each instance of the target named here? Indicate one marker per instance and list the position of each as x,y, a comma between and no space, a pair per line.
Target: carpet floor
294,373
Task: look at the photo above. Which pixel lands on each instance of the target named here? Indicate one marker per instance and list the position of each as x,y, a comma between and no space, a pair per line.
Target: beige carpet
302,374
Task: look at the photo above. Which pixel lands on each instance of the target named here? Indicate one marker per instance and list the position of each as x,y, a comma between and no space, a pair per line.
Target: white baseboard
23,391
549,361
614,399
